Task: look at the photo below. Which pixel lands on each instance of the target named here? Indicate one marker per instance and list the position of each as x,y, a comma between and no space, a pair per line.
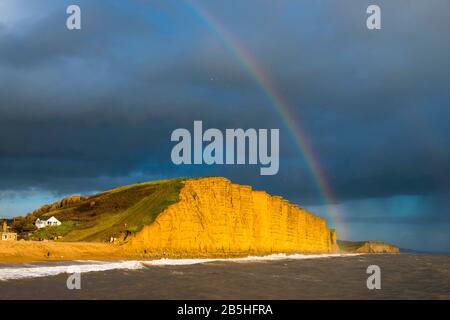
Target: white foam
96,266
46,271
272,257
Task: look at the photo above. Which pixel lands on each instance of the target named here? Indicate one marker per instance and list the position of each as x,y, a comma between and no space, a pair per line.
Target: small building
6,235
52,222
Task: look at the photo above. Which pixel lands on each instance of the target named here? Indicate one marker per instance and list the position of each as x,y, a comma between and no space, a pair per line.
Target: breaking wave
47,270
272,257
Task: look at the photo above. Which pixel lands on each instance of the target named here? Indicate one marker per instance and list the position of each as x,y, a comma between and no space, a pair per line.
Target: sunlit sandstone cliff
214,216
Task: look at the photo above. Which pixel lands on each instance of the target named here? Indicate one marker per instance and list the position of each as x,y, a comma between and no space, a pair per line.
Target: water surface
403,276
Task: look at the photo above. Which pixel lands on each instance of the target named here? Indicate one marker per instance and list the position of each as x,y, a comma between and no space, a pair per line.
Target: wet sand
403,276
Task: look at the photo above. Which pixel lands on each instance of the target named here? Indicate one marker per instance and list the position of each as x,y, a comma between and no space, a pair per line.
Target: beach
41,251
28,251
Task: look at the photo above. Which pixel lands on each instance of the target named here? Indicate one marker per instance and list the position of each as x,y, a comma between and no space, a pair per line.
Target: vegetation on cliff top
349,246
113,213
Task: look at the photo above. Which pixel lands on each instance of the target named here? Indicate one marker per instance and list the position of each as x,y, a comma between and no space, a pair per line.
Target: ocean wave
34,271
47,271
272,257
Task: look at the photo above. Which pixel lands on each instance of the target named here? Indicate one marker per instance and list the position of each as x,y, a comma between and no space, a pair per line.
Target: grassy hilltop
113,213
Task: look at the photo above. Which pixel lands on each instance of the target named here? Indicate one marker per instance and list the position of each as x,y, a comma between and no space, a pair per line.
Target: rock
215,216
371,246
378,247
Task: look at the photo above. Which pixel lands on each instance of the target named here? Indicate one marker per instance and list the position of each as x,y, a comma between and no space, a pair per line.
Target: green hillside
113,213
350,246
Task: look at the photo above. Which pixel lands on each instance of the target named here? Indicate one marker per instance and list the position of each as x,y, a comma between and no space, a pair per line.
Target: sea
272,277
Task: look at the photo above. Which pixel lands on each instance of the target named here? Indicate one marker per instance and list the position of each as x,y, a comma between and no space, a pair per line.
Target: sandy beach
27,251
41,251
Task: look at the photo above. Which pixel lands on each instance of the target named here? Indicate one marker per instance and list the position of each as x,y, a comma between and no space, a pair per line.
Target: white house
47,223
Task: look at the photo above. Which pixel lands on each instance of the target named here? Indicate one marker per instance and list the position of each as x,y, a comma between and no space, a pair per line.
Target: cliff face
214,216
378,247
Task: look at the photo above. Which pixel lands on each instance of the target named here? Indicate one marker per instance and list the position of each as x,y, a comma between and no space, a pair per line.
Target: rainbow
249,62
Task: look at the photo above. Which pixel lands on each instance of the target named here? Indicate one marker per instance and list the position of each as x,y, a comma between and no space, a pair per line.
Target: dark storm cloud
41,39
82,111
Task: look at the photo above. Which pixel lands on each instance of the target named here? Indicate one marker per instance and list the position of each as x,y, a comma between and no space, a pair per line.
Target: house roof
52,218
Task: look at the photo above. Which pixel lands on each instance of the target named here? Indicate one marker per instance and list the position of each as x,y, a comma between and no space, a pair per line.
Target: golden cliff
215,217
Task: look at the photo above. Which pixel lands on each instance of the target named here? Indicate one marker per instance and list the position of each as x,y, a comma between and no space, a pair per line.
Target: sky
86,110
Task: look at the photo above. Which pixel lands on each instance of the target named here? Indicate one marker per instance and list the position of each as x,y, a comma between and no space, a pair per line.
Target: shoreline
47,251
40,251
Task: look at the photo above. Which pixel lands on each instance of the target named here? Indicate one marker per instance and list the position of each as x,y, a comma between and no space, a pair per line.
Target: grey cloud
102,102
